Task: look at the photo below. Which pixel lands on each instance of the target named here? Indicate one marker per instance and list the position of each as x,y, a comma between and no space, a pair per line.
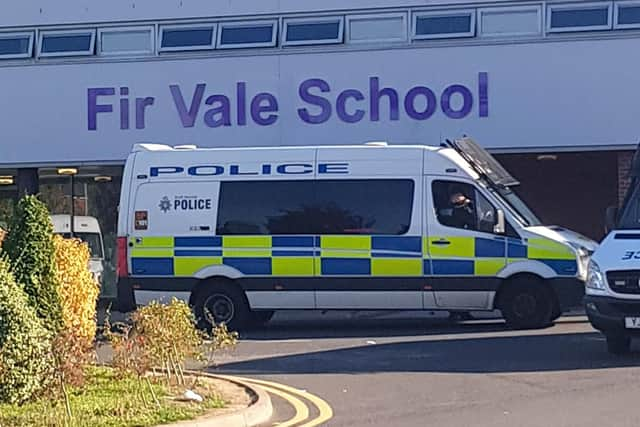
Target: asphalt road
410,371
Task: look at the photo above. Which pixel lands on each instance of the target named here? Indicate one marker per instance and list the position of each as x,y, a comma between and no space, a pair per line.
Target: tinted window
309,31
579,18
461,205
309,207
265,207
364,206
18,45
247,35
187,37
433,25
66,43
629,15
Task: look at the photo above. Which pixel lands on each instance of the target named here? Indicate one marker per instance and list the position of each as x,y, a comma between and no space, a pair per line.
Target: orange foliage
78,290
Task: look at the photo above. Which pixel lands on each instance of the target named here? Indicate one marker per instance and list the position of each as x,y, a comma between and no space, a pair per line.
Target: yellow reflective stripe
488,266
246,241
362,243
458,247
153,242
343,254
541,248
246,253
151,253
396,267
292,266
187,266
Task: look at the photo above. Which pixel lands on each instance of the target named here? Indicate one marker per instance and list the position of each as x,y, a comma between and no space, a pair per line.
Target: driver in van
462,212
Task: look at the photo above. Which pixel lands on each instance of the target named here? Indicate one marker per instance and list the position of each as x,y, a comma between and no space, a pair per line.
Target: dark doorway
567,189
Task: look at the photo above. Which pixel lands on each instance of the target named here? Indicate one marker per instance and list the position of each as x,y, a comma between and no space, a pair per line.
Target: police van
241,232
612,302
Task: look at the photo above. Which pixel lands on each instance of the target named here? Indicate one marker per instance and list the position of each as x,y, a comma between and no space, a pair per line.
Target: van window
461,205
265,207
315,207
91,239
364,206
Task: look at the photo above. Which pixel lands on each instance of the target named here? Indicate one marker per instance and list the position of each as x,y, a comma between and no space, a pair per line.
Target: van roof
151,147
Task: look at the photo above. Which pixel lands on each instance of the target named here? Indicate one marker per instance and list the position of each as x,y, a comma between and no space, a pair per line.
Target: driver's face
459,200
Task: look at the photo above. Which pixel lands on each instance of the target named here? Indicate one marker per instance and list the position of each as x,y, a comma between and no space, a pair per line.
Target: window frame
579,6
247,24
373,16
126,29
616,14
43,33
18,34
442,14
534,7
313,20
204,25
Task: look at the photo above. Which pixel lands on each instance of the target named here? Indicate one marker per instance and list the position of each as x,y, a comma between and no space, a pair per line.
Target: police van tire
526,303
618,344
225,302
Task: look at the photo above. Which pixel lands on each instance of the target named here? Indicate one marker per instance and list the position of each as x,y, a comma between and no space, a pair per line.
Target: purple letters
317,101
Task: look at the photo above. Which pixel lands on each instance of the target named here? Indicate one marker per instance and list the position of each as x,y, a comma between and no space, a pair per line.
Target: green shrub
25,346
29,245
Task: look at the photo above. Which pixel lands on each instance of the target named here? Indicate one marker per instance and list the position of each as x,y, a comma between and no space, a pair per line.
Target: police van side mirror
499,228
610,218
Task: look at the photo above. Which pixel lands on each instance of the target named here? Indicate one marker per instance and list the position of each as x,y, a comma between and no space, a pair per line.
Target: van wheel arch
524,282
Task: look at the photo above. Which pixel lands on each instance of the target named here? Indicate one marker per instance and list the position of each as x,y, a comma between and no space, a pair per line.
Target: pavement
408,370
417,369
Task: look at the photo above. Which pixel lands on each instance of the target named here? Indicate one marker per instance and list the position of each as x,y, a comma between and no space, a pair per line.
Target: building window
445,24
377,28
510,22
310,31
315,207
247,34
16,45
66,43
122,41
192,37
627,15
579,17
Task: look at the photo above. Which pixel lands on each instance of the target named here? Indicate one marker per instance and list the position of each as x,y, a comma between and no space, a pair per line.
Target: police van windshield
518,207
630,215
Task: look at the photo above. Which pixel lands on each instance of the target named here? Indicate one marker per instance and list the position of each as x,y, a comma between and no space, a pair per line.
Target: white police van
241,232
613,285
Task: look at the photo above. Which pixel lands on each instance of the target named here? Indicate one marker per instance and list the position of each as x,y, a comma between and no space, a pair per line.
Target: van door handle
441,242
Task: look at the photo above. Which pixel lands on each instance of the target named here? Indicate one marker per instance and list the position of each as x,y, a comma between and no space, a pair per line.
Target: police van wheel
618,344
526,305
222,303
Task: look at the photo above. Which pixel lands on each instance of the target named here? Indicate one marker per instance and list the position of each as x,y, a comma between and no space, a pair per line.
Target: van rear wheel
221,303
526,304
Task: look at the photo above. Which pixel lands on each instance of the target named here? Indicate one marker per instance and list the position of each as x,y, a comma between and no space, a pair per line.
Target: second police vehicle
241,232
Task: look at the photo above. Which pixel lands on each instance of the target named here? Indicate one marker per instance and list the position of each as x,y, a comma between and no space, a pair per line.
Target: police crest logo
165,204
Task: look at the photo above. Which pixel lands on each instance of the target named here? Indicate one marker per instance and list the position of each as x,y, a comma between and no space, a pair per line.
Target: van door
464,251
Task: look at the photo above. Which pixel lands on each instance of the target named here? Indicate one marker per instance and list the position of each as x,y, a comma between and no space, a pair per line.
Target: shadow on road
522,353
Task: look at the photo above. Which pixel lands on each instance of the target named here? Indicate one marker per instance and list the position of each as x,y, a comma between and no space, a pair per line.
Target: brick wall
624,164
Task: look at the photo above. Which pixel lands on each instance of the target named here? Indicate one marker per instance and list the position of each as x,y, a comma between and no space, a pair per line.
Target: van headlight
595,278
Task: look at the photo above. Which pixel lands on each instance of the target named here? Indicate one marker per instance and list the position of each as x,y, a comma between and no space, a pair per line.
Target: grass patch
109,401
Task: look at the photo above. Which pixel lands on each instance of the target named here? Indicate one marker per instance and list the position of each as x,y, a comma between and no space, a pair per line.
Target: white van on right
612,299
